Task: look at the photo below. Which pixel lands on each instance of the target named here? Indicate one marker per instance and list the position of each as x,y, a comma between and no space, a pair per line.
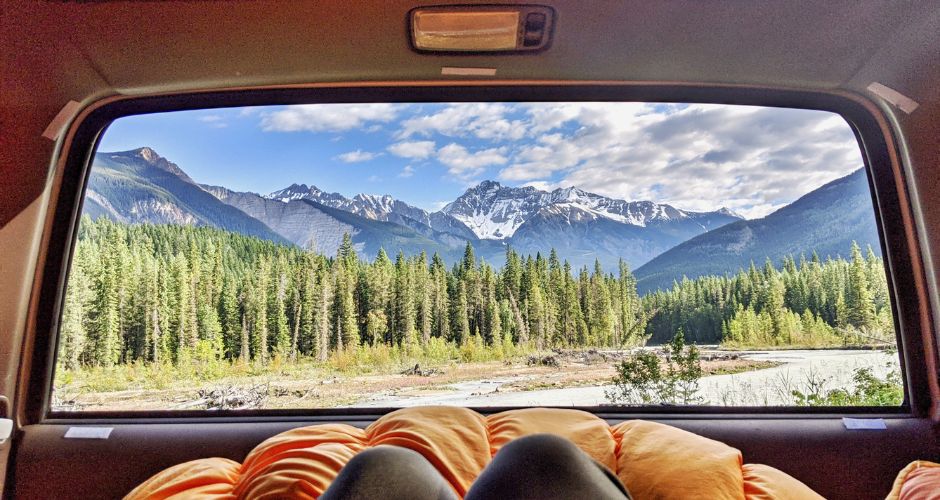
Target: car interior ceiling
119,55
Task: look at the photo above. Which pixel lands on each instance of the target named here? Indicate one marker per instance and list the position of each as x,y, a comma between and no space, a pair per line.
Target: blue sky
695,157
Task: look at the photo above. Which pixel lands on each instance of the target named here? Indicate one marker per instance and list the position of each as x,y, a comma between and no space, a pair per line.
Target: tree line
805,302
167,293
170,294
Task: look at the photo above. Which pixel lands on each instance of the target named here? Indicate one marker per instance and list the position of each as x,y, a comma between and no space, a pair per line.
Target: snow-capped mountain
141,187
496,212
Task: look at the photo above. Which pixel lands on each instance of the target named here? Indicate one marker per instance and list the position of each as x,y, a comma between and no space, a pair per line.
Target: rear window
478,254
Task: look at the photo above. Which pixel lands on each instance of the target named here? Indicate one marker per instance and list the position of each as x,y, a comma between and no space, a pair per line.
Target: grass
379,359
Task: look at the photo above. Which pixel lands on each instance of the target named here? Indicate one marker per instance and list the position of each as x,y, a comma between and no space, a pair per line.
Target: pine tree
322,320
169,293
259,310
859,306
460,315
600,322
347,325
404,303
72,335
440,303
632,318
278,327
309,298
230,317
105,333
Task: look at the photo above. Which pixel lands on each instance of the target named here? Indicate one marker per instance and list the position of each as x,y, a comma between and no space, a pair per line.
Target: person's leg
544,466
389,472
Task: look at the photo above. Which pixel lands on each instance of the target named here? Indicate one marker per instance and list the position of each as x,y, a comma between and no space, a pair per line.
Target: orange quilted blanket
653,460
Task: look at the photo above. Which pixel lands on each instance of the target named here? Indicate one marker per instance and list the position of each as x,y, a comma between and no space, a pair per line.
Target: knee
383,458
388,472
546,449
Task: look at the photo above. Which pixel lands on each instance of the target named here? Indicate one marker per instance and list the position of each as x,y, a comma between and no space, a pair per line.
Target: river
800,370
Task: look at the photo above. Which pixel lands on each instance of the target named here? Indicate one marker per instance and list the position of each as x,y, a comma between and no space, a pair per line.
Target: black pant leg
544,466
389,472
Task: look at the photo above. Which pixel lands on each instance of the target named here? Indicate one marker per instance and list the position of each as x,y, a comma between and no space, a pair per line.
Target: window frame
890,202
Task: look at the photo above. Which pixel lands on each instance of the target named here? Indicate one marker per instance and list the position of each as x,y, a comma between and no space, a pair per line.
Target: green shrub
644,378
869,390
440,351
472,349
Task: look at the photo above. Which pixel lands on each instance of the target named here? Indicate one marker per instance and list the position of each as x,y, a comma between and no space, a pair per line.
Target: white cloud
249,111
408,171
541,185
465,164
215,121
374,178
357,156
481,120
418,150
328,117
696,157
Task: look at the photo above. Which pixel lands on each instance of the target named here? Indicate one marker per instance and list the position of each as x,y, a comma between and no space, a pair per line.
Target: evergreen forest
175,293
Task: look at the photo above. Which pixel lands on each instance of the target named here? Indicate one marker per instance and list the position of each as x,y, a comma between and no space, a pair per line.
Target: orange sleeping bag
655,461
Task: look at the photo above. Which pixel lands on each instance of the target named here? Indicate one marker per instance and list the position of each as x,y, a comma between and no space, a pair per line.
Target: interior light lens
480,29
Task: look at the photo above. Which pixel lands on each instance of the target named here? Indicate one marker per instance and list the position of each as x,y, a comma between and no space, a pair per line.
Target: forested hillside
168,293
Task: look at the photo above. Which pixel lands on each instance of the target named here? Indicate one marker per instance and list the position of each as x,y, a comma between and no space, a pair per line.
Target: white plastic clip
57,125
88,432
864,424
6,429
903,102
456,71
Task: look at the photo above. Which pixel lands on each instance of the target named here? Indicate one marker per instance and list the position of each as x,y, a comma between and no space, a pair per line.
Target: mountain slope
826,220
313,225
139,186
581,237
371,235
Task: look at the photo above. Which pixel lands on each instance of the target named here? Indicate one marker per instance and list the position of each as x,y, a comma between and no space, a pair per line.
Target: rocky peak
148,154
294,192
570,194
730,213
486,186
